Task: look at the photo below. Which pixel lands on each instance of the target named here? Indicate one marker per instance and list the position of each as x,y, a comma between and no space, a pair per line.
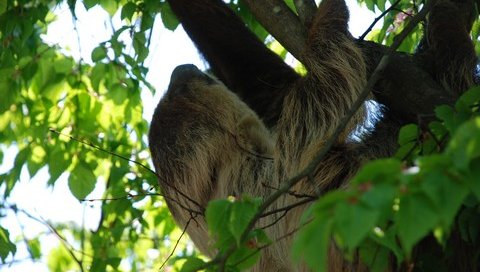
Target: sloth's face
196,111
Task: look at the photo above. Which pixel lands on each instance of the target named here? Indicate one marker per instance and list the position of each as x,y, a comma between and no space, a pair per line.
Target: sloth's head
200,126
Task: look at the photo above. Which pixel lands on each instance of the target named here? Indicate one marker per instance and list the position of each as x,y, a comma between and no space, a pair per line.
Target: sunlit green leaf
169,19
34,248
192,264
6,246
109,6
81,181
99,53
127,10
58,164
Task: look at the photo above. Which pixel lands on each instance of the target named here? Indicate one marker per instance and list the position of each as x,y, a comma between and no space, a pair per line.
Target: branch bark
404,86
306,11
280,21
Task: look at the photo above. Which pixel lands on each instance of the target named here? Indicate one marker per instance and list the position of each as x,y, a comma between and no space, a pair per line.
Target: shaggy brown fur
207,143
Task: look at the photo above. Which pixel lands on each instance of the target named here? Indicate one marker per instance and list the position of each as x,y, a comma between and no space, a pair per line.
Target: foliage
46,95
392,204
431,187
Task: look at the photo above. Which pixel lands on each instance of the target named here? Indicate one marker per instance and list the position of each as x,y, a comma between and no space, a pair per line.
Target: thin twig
292,193
275,221
70,249
129,196
103,150
361,38
178,241
289,207
129,160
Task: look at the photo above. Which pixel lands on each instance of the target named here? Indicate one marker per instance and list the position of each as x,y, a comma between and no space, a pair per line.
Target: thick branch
404,87
282,23
306,11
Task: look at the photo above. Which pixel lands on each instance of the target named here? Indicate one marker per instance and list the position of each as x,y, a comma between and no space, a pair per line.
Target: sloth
258,122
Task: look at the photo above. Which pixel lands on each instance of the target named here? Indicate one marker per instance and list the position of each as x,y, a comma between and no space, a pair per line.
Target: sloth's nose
187,72
184,73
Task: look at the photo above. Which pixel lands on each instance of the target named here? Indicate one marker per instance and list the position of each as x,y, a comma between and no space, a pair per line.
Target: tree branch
361,38
290,32
306,10
404,86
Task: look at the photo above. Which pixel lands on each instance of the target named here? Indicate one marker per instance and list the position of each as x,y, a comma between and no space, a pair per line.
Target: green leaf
381,199
375,256
139,44
57,164
118,93
245,256
6,246
473,179
3,6
99,53
34,249
89,3
469,224
312,243
117,47
147,22
169,19
415,219
192,264
63,65
465,144
438,129
21,158
383,170
97,75
36,159
241,214
388,239
109,6
381,5
466,102
446,194
218,218
408,133
81,181
447,115
127,10
407,151
352,222
429,146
